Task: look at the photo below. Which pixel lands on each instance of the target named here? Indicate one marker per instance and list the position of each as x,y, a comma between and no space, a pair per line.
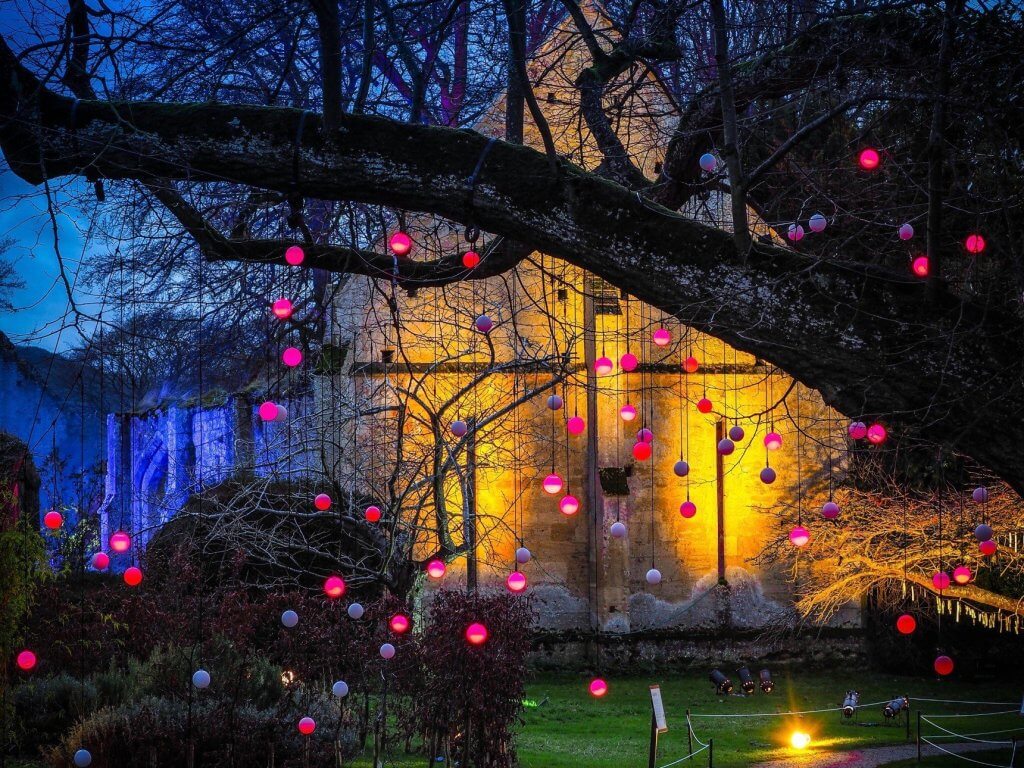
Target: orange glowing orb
800,740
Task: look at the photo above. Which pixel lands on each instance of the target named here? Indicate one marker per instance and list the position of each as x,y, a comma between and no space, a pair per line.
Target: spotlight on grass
850,704
894,707
747,684
800,740
767,685
723,685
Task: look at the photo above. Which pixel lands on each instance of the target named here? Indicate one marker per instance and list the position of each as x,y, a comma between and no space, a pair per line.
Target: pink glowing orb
987,548
627,412
645,435
307,725
974,244
628,362
940,580
681,468
857,430
869,159
555,402
920,266
26,660
133,576
906,624
282,309
799,536
459,428
773,441
470,259
268,411
400,244
795,233
598,687
552,484
334,587
483,323
661,337
687,509
736,433
516,582
830,510
476,633
322,502
399,623
603,366
690,364
943,665
436,568
906,231
980,494
576,425
877,434
120,541
642,451
704,405
726,446
983,532
291,357
569,505
294,255
962,575
101,561
372,514
768,475
53,520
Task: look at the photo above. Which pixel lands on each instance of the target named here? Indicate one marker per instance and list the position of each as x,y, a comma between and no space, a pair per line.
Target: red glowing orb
400,244
704,405
857,430
334,587
470,259
133,576
941,580
569,505
101,561
576,425
53,520
552,484
399,623
869,159
642,451
291,357
598,687
962,575
282,309
661,337
690,364
26,660
877,434
322,502
627,412
307,725
906,624
294,255
974,244
628,362
919,266
687,509
372,514
987,548
436,568
516,582
603,366
476,633
943,665
120,541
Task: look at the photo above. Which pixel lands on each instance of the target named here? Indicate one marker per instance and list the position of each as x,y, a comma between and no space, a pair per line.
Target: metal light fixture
767,685
747,684
850,704
895,707
723,685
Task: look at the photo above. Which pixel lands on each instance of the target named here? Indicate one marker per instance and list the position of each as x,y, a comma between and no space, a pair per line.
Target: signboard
659,709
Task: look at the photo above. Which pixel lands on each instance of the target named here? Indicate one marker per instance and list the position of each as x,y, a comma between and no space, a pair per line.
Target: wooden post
591,493
469,520
652,750
689,736
711,753
906,717
720,498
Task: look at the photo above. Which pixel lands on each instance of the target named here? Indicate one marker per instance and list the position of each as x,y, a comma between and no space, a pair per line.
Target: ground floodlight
895,707
723,685
747,684
767,684
850,704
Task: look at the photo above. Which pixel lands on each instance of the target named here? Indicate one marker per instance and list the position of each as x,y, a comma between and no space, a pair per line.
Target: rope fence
944,740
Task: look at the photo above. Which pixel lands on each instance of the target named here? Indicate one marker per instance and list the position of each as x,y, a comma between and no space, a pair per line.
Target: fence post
907,719
711,752
689,736
652,752
919,736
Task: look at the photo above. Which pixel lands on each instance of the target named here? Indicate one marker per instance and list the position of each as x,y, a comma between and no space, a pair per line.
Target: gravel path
870,757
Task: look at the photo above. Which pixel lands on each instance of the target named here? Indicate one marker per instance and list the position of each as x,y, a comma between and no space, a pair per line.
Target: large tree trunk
862,336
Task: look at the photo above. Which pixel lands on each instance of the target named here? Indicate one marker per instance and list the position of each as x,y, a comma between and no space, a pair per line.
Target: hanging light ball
943,665
642,451
555,402
795,233
483,323
400,244
644,435
987,548
726,446
603,366
282,309
101,561
736,433
291,357
120,541
869,159
372,514
576,425
552,484
799,536
980,494
268,411
940,580
307,725
356,611
906,624
459,428
26,660
387,651
627,412
920,266
53,520
768,475
132,576
294,255
687,509
399,623
334,587
322,502
983,532
962,575
857,430
661,337
82,758
618,530
653,576
282,413
708,162
877,434
523,555
436,568
974,244
830,510
569,505
704,405
690,364
906,231
201,679
628,362
476,633
599,687
289,619
515,582
470,259
817,222
340,689
773,441
681,468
